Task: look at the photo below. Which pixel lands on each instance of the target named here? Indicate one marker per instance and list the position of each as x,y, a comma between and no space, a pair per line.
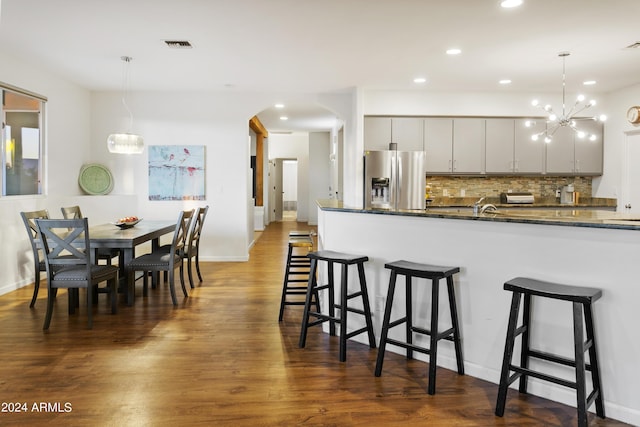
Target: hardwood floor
222,358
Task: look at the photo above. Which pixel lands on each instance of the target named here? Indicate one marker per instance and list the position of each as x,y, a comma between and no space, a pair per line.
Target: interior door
277,191
631,183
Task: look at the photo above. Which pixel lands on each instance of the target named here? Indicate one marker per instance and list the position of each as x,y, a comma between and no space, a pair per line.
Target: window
22,141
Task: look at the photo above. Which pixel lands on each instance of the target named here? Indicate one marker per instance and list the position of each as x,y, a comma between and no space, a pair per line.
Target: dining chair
38,260
192,249
69,265
192,244
163,260
106,254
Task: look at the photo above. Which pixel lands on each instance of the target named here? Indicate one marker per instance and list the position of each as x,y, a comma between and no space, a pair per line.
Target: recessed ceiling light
279,105
505,82
454,51
510,3
589,82
419,80
284,118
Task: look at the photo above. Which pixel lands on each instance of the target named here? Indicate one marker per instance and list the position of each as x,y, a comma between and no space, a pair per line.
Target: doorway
289,190
284,195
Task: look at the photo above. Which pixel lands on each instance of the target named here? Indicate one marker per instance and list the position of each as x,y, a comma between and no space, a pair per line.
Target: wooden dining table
126,240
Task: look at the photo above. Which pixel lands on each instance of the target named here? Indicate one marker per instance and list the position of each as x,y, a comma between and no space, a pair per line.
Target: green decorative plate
95,179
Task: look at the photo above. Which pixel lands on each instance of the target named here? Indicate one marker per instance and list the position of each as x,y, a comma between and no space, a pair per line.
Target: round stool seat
426,271
339,257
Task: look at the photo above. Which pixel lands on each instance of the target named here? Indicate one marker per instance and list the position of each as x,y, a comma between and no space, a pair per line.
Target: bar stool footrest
356,332
408,346
549,357
351,309
545,377
444,335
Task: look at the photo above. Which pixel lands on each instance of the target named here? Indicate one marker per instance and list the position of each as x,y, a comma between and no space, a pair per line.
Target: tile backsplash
489,186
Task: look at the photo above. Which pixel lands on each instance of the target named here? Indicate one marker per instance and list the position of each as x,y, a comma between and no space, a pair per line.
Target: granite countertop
580,217
540,202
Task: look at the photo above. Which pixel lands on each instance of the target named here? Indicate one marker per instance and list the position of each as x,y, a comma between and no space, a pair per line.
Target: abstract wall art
176,172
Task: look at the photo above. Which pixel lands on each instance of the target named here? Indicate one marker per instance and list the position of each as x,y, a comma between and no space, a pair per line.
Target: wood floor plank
222,358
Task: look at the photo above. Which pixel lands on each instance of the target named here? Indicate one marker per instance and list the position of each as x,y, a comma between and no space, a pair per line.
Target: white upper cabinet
438,145
479,145
589,154
454,146
500,146
510,149
528,154
377,133
468,145
569,154
406,132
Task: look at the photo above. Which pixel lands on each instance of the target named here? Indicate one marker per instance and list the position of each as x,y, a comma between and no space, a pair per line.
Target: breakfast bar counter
583,247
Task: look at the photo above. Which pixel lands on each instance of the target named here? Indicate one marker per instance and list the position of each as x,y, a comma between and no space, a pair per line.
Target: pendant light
125,143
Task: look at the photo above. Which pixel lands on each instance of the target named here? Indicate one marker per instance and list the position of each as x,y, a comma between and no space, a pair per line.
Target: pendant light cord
125,88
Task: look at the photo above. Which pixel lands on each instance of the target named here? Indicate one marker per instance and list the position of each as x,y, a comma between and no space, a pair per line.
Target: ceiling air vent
635,45
178,44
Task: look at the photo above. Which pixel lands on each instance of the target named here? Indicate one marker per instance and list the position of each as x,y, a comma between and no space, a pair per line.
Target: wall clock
633,114
95,179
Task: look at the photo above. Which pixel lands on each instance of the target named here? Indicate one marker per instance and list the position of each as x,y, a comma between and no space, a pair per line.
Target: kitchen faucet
476,206
488,207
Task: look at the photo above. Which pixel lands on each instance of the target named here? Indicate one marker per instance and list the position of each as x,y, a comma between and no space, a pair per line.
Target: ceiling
307,47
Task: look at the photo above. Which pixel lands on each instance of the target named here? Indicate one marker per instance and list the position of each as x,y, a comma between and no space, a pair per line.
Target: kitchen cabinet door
438,145
500,146
377,133
408,133
468,145
588,154
561,152
528,155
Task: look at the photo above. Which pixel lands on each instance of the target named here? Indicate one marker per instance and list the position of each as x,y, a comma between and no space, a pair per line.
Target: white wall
616,105
348,107
217,120
294,146
67,148
319,177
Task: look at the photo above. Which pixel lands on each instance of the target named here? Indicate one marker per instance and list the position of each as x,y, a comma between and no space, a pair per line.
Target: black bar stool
435,273
297,271
345,260
581,299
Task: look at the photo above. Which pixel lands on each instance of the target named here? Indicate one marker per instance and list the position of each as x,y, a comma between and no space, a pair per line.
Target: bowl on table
127,222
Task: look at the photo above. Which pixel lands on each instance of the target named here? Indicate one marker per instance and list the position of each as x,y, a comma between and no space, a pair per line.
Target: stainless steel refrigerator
394,179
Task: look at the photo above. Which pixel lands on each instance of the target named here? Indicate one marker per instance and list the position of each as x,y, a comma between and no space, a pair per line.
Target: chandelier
125,143
555,121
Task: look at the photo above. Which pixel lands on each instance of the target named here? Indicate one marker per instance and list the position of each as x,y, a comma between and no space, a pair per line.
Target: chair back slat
196,228
71,212
29,219
65,242
182,230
